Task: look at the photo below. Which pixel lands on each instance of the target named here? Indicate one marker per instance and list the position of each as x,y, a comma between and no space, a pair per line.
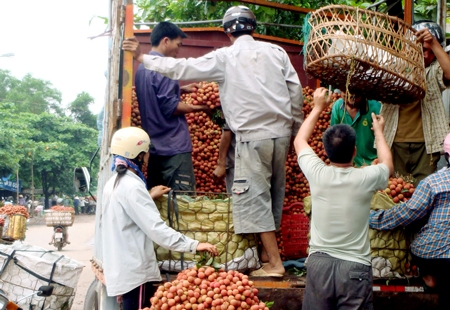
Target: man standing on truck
339,270
415,130
163,115
431,247
261,97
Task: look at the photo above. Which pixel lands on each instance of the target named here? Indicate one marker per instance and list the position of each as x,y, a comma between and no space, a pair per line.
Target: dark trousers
333,283
132,299
412,158
176,172
440,270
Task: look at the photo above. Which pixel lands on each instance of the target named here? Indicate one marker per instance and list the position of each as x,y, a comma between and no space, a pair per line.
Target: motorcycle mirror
82,179
45,291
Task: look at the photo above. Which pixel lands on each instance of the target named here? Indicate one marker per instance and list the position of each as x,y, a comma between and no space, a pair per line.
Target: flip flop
262,273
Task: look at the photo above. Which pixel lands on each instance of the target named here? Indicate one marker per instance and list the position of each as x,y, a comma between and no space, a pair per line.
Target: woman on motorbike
131,223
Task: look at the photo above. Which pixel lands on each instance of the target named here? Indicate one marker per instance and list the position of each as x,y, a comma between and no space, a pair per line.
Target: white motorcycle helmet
239,18
129,142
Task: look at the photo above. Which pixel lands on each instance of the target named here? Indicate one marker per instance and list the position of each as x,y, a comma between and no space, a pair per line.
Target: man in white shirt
261,98
339,266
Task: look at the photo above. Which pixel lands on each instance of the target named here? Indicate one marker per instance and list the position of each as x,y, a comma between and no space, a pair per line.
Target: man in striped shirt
415,130
431,247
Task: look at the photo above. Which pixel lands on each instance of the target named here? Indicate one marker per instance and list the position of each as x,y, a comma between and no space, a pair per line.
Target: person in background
339,271
82,205
66,201
415,130
261,97
21,200
131,223
163,115
225,162
76,204
431,247
356,111
34,205
91,206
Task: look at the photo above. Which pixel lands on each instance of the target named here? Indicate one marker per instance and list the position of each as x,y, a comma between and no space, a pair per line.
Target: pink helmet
447,144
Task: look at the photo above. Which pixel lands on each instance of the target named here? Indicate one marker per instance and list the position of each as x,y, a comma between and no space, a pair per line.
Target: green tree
30,94
79,110
52,144
197,10
61,147
14,140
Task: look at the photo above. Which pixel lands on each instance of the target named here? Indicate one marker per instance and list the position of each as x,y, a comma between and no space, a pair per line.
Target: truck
286,293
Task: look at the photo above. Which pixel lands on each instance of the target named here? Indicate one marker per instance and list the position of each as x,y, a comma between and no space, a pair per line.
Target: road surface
81,237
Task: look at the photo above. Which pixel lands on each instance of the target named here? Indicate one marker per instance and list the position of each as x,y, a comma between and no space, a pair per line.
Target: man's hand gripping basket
365,52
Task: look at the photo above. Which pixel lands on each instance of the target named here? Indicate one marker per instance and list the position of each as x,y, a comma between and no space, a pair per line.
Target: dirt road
81,236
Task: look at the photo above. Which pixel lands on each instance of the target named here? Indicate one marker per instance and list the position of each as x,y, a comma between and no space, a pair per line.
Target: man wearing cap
261,98
431,247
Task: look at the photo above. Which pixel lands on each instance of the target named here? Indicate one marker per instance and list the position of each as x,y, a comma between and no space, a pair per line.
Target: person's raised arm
425,37
383,151
321,102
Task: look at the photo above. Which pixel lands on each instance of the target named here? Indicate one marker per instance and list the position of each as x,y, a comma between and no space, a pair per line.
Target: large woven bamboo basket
365,52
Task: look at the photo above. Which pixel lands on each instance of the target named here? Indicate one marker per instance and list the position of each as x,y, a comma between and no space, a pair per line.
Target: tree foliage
79,110
51,144
30,94
201,10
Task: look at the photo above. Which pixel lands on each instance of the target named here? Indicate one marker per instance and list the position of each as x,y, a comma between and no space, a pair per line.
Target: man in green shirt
356,112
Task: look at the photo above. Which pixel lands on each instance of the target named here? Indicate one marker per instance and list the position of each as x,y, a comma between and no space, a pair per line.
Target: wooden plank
212,29
127,78
275,5
409,11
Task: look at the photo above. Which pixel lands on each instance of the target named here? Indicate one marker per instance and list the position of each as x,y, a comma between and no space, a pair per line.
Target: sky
50,40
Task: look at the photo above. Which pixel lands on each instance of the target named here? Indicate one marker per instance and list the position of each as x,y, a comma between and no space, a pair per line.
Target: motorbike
59,237
6,304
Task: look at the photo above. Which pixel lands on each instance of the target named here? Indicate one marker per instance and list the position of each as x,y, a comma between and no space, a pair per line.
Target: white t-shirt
341,206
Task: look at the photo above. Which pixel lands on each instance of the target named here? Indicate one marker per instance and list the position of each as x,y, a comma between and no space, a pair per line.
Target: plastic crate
294,233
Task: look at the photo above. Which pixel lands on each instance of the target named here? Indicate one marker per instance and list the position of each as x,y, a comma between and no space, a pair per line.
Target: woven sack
206,220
